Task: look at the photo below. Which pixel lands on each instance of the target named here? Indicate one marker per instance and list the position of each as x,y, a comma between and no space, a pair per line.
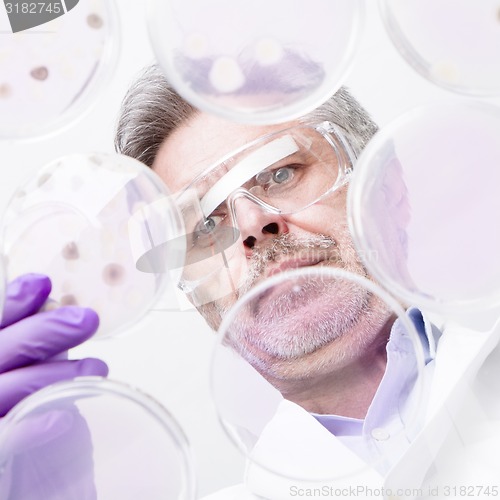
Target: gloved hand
48,455
29,339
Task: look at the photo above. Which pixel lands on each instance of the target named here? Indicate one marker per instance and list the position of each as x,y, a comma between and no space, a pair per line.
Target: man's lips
294,264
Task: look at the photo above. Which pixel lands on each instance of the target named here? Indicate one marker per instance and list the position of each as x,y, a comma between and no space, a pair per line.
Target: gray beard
271,326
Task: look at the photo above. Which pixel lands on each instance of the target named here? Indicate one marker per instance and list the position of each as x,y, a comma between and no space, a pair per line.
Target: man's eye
279,176
282,175
207,226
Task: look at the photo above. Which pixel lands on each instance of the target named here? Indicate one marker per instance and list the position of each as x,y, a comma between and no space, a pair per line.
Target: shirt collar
401,367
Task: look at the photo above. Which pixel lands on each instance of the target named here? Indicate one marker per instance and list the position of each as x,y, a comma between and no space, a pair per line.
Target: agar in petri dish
86,221
52,73
423,202
258,62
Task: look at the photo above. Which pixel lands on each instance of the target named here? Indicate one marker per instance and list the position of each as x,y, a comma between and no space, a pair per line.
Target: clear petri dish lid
423,207
243,62
99,225
55,59
439,39
286,345
93,438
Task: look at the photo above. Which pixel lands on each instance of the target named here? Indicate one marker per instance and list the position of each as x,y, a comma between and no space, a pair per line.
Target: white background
167,355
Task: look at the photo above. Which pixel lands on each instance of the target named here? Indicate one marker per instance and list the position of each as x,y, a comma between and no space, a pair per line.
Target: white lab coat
458,446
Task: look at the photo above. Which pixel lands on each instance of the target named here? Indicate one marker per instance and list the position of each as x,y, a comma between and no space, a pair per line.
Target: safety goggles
281,173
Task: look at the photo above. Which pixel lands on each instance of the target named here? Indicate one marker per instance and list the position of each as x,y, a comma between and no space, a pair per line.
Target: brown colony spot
70,251
69,300
95,21
113,274
5,90
41,73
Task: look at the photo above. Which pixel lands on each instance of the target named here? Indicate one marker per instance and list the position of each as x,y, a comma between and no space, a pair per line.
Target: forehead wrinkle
196,173
194,157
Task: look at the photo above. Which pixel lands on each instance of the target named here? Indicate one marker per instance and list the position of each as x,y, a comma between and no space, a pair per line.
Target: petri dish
438,38
93,438
294,334
99,225
55,59
251,62
423,206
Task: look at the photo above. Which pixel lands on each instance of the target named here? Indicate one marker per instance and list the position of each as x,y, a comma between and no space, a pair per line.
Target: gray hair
152,110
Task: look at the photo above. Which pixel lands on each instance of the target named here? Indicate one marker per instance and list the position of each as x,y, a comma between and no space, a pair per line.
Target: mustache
320,247
285,244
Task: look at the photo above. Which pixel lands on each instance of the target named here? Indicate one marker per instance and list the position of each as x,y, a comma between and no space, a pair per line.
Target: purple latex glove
49,456
28,339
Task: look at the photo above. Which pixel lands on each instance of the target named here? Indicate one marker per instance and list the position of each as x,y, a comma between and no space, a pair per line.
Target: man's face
270,243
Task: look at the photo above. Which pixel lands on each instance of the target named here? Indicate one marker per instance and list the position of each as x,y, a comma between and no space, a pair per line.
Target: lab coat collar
298,446
461,353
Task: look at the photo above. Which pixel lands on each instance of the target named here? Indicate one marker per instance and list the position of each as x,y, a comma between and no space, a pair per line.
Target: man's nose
256,224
